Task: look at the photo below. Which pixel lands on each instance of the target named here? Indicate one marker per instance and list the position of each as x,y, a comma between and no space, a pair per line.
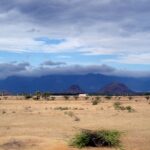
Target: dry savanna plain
50,124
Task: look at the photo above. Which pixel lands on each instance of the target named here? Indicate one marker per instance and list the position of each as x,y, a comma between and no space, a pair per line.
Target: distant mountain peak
116,88
74,89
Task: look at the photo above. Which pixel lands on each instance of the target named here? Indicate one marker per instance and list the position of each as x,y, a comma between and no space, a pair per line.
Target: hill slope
116,89
59,83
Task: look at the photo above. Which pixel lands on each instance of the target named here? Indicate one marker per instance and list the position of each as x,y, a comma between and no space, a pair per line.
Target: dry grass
36,125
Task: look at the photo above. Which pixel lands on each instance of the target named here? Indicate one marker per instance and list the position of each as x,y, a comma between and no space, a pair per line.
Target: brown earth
48,125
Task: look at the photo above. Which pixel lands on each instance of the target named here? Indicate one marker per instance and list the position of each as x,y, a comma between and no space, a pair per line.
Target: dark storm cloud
25,69
13,68
49,67
129,14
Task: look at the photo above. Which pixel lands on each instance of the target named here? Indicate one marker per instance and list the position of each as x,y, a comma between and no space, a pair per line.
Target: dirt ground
48,125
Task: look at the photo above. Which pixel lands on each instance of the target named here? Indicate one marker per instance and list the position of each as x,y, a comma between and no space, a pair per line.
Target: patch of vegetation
61,108
52,98
4,112
130,97
66,97
95,102
102,138
108,97
76,97
147,97
27,96
36,97
98,98
72,115
129,109
87,97
118,106
46,95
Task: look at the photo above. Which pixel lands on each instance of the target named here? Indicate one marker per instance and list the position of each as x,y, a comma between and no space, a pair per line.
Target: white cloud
91,27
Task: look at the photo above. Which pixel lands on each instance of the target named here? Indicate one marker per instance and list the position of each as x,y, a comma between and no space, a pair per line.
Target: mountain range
60,83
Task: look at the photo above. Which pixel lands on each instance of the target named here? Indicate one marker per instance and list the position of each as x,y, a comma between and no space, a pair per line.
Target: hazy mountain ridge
59,83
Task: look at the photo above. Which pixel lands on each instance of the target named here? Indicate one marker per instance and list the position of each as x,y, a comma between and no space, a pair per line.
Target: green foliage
108,138
81,140
129,109
102,138
118,106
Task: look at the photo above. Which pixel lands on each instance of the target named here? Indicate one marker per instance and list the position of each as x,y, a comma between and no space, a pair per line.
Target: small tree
76,97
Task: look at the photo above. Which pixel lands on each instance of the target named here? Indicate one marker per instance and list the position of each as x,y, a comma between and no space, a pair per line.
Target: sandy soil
48,125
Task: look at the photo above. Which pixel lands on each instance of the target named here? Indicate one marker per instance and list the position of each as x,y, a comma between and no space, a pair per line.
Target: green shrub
108,138
117,105
81,140
103,138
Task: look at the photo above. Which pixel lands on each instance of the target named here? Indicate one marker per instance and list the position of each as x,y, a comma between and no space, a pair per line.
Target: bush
76,97
95,102
36,97
108,97
117,105
81,140
66,97
52,98
147,97
103,138
129,109
27,96
87,97
130,97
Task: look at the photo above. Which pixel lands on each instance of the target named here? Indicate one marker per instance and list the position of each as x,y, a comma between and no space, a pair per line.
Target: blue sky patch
49,41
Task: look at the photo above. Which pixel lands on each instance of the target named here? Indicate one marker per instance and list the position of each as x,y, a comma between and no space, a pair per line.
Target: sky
40,37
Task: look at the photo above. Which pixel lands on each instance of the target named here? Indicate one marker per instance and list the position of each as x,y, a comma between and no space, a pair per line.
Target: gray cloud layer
127,13
26,69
